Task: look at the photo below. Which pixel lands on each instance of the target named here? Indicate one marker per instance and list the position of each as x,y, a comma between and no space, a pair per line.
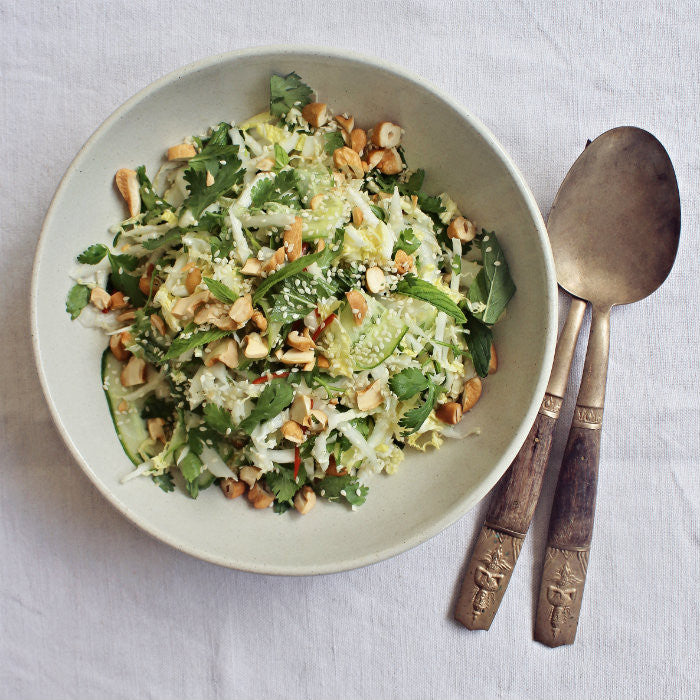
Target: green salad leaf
493,287
479,341
221,291
417,288
78,298
286,92
191,338
201,195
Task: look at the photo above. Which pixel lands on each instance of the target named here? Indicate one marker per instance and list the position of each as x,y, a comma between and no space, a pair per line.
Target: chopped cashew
315,113
358,140
462,229
403,262
158,323
155,429
309,366
391,163
224,351
450,412
316,421
375,279
255,347
471,394
252,267
259,497
264,165
242,310
183,151
259,320
370,397
374,158
358,305
357,216
292,240
386,135
297,357
322,362
301,341
193,279
134,372
217,314
128,315
185,307
292,431
127,182
232,488
493,360
100,299
348,162
347,123
275,261
300,408
316,200
210,179
117,301
304,499
116,345
249,475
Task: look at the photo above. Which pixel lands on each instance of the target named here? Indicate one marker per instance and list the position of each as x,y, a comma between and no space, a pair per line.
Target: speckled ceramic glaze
431,490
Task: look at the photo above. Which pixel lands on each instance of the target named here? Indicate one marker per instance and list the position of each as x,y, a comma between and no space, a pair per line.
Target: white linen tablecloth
91,607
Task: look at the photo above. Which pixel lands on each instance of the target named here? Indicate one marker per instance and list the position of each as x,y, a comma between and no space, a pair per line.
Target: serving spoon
614,228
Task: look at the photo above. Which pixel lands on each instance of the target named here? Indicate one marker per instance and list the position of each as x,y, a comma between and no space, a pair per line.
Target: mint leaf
413,419
407,242
150,201
332,141
165,481
417,288
408,382
335,488
201,195
287,92
172,237
219,137
78,298
496,287
221,291
281,157
276,396
297,296
190,338
218,419
93,254
479,341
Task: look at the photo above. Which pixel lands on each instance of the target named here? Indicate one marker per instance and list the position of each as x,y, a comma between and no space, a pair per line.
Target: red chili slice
322,327
297,461
265,378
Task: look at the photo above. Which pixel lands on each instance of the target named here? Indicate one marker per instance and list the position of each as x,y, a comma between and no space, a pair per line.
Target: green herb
211,156
417,288
191,338
125,283
287,92
275,397
493,286
479,341
78,298
93,254
409,382
282,189
333,140
201,195
165,481
150,201
407,242
335,488
156,408
293,301
172,237
378,212
219,137
283,484
281,157
413,419
191,467
218,418
221,291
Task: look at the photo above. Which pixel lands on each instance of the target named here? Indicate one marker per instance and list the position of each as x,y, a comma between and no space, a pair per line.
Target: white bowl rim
450,516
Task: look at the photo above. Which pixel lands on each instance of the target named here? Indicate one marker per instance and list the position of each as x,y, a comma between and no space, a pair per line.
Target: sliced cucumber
382,338
323,222
312,180
130,427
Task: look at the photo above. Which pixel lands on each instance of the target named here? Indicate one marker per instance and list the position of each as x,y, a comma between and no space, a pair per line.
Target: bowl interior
431,490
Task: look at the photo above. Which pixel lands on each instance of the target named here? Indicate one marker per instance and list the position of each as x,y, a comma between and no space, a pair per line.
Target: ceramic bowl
431,490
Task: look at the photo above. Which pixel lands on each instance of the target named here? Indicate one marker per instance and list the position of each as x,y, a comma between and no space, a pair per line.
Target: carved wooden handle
506,525
570,531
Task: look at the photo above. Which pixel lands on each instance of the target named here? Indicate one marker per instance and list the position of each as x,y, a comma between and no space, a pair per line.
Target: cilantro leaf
413,419
125,283
479,341
201,195
218,419
408,382
332,141
282,188
283,484
172,237
77,299
287,92
493,286
220,136
128,262
165,481
221,291
335,488
276,396
191,338
414,183
417,288
407,242
150,201
93,254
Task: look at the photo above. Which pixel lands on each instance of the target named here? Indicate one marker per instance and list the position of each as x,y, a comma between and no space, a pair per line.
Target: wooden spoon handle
571,520
512,506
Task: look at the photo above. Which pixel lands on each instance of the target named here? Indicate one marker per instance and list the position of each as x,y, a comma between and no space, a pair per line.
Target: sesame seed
496,263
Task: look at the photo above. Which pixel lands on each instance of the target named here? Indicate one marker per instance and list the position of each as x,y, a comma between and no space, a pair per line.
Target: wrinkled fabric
90,606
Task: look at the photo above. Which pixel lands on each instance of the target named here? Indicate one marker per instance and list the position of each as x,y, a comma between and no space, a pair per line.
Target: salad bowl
431,489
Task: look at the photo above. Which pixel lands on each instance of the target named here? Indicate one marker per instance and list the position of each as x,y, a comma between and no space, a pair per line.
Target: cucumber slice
312,180
383,337
323,222
130,427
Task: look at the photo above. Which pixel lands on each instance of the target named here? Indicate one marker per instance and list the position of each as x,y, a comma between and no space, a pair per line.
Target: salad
287,308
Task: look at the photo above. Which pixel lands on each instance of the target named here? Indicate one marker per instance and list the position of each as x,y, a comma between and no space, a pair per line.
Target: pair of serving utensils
614,228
